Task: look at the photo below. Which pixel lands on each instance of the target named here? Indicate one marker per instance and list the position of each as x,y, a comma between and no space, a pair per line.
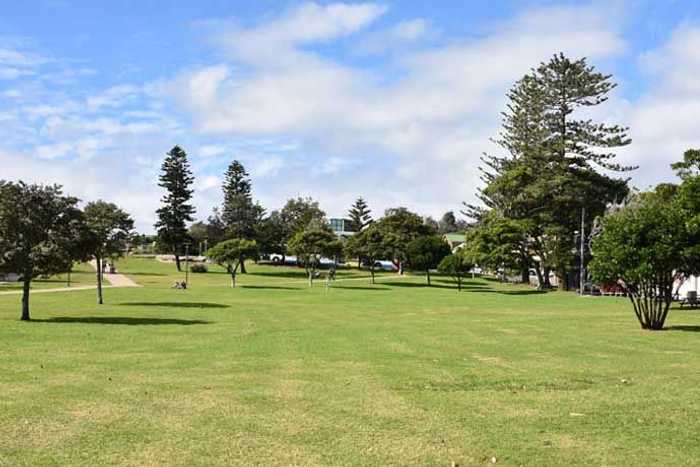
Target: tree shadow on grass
122,321
372,289
154,274
268,287
420,285
685,328
177,304
515,292
297,274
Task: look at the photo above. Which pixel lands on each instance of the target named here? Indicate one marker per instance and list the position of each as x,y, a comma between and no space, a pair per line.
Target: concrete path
116,280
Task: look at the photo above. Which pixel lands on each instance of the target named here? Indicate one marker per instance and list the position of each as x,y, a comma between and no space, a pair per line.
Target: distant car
277,259
385,265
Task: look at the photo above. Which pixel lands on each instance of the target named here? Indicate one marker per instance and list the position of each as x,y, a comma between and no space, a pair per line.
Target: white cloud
53,151
396,37
112,97
211,150
433,121
305,121
273,43
664,120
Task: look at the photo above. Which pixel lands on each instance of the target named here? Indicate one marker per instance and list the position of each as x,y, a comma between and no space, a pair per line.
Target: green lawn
275,373
81,275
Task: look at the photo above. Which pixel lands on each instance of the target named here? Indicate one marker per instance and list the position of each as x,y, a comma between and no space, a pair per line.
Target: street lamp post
187,264
582,271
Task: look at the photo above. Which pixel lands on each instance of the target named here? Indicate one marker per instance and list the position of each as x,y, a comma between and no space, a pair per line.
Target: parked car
385,265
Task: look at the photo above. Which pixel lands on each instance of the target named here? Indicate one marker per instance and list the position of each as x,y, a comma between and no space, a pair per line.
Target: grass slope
392,374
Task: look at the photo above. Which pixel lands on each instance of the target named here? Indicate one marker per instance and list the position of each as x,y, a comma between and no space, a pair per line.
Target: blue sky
394,101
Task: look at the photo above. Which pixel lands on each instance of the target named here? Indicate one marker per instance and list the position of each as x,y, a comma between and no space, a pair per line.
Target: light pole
187,264
582,271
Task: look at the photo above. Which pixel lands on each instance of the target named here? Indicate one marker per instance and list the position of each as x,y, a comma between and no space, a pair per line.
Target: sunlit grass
397,373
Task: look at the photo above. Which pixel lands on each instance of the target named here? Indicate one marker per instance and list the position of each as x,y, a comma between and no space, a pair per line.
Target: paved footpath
116,280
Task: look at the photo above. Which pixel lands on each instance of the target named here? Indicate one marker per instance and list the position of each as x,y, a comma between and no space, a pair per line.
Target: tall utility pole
582,272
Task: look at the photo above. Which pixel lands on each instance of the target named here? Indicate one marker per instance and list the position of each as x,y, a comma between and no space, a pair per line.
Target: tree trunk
540,278
525,266
243,270
311,277
427,274
459,283
98,263
177,262
371,273
651,311
25,296
233,279
546,282
562,283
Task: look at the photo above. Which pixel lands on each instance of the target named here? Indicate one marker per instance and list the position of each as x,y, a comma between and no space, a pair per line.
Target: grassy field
81,275
398,373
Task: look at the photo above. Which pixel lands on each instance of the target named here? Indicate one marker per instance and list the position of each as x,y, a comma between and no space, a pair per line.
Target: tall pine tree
360,215
176,210
549,173
240,215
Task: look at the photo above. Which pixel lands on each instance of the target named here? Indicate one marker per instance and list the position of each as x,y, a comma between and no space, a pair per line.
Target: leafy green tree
642,247
689,167
311,245
399,226
298,213
456,266
272,234
110,228
176,210
231,254
495,243
360,215
368,246
42,232
426,252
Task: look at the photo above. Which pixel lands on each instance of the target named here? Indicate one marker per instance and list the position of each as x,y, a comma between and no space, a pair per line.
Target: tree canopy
642,248
311,245
239,214
231,254
549,173
42,232
457,266
368,246
360,215
109,228
175,211
399,226
426,252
